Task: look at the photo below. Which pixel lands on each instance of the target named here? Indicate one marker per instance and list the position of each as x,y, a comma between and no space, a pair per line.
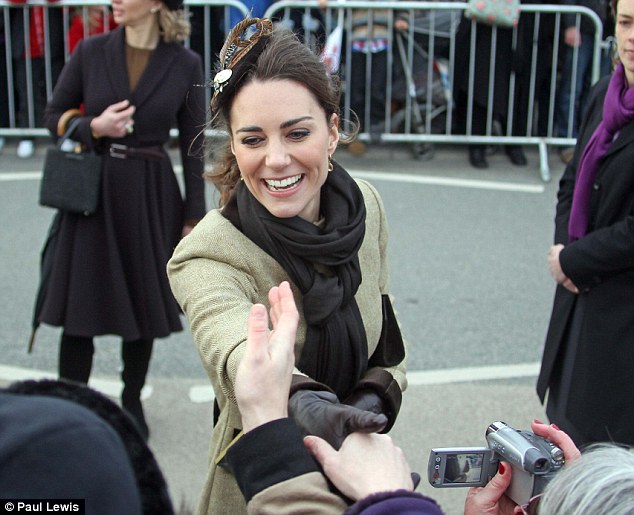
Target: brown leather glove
321,414
366,400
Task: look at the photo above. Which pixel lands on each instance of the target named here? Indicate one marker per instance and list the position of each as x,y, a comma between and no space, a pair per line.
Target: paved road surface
467,251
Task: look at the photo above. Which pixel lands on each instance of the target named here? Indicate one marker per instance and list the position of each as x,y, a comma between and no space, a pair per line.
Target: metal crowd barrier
210,21
426,113
420,107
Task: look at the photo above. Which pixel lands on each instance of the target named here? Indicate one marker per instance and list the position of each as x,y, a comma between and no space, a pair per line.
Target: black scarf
335,351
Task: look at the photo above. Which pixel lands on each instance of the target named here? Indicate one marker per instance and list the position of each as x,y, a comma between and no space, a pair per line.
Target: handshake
264,377
320,413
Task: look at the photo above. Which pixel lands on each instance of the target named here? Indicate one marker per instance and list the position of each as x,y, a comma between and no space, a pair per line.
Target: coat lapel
154,74
625,138
116,65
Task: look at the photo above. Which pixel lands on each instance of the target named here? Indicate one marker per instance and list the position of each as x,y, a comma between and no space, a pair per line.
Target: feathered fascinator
243,46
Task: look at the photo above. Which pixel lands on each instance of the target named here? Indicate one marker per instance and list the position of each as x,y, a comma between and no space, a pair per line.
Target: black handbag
71,180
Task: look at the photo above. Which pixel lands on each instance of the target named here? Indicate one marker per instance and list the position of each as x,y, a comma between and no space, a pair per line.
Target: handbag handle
69,131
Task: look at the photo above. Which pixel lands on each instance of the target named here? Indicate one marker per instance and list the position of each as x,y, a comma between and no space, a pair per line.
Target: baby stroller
421,90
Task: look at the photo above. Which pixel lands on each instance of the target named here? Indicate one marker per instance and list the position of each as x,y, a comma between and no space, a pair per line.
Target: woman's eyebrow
285,125
292,122
252,128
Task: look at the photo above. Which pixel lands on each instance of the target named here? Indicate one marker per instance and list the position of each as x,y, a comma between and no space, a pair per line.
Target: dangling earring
330,165
154,10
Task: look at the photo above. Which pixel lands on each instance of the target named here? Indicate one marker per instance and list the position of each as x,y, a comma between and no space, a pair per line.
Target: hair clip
242,47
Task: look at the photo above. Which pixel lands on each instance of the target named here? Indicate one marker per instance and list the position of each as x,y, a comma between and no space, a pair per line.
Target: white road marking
447,181
109,387
204,393
372,176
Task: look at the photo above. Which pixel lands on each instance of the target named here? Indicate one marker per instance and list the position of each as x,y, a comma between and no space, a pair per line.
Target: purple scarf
618,110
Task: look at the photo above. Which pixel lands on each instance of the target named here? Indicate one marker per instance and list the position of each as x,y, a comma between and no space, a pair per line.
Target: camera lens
542,465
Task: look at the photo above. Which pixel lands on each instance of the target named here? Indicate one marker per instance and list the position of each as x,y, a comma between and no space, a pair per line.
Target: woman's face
282,140
624,31
134,12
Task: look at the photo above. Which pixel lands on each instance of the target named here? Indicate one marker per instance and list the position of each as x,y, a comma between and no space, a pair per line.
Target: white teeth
284,183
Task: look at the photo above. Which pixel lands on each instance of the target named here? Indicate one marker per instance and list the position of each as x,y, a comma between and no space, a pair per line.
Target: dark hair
284,57
613,5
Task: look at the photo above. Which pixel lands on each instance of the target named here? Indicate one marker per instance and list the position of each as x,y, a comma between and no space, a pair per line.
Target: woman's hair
600,481
175,26
284,57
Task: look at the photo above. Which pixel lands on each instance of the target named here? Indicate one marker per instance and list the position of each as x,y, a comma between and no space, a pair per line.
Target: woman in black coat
108,270
588,359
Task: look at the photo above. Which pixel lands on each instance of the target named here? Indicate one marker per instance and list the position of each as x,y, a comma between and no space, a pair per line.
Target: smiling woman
289,212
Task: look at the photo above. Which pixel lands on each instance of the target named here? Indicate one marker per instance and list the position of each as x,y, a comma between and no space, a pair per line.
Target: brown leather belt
155,152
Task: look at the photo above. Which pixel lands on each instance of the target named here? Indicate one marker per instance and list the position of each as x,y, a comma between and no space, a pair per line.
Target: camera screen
464,468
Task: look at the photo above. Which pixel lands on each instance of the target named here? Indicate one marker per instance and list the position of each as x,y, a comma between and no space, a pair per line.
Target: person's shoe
357,148
26,148
516,155
566,153
477,157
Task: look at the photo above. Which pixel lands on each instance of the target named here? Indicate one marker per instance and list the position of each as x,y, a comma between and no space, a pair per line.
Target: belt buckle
119,151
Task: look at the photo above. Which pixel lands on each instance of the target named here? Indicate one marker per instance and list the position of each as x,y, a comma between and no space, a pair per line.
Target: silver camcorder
534,461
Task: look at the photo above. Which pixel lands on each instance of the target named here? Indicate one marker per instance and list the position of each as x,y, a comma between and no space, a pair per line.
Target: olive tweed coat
217,274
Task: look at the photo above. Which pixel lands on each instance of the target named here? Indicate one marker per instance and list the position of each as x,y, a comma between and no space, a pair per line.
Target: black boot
75,358
477,156
516,155
136,360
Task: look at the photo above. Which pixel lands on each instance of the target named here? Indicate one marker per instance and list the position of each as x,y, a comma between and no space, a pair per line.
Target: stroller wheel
423,151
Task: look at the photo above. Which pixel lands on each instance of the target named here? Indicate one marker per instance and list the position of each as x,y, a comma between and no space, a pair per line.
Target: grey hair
600,481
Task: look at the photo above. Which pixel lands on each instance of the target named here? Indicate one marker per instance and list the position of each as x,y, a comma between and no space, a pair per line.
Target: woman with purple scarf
588,357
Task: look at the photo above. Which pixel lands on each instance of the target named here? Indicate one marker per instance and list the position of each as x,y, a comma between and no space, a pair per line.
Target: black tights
75,361
75,358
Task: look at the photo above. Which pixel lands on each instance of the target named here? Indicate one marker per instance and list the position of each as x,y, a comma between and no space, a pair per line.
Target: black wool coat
601,265
107,271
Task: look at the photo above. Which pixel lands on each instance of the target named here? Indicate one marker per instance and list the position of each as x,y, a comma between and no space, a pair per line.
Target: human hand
554,267
320,413
558,437
490,499
572,37
263,379
366,400
115,121
365,464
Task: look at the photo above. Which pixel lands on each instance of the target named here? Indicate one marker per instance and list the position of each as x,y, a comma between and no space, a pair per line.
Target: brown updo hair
284,57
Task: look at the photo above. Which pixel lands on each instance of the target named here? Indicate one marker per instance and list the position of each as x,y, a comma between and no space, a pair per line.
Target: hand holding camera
525,463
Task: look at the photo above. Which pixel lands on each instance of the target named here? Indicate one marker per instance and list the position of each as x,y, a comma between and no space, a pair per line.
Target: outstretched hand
365,464
263,379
